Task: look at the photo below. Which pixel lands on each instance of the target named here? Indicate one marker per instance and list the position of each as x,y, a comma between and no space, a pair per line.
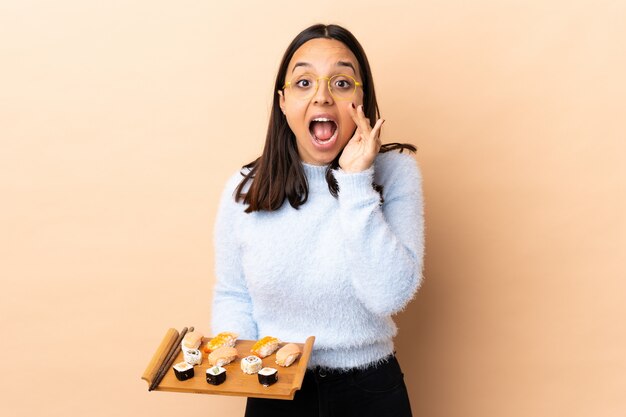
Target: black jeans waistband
322,373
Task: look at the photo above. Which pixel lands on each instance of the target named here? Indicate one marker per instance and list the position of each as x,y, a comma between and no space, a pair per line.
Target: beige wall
120,121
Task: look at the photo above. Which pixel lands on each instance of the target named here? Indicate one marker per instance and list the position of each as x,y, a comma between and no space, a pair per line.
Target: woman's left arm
384,243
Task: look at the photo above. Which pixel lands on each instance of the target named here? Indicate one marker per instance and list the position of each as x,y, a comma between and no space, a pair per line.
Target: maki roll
251,364
287,354
192,356
183,371
265,346
268,376
215,375
222,356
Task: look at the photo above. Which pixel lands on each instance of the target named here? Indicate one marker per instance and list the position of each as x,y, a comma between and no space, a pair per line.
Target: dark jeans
376,391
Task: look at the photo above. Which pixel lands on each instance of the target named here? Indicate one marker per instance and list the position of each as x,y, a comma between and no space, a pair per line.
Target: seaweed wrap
215,375
268,376
183,371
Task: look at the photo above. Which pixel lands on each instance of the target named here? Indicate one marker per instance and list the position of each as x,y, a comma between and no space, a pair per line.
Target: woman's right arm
232,306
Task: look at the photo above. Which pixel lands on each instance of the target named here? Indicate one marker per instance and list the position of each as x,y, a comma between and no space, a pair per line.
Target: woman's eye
343,83
303,83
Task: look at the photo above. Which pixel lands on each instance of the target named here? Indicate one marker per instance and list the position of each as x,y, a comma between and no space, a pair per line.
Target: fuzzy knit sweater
336,268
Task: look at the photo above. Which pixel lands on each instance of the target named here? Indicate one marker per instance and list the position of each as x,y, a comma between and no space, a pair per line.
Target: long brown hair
278,173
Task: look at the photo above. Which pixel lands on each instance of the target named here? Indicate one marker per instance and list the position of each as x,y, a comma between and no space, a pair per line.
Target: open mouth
323,130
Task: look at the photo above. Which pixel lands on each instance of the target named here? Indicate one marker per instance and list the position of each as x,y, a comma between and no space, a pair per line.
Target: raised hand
361,150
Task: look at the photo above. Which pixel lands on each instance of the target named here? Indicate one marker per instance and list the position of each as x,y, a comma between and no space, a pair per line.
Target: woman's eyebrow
338,64
300,64
346,64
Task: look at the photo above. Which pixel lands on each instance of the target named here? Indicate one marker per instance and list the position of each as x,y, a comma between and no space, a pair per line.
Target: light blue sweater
335,268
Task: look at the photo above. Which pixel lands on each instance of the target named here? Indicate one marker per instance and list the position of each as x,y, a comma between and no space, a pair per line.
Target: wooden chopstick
169,359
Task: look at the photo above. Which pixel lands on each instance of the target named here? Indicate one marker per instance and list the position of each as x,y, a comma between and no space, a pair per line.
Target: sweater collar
315,174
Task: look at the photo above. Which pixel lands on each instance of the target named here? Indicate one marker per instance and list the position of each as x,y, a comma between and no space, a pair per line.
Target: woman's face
320,142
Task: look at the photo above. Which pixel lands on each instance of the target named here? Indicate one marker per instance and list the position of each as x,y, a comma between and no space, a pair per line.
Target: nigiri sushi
192,340
222,356
287,354
222,339
265,347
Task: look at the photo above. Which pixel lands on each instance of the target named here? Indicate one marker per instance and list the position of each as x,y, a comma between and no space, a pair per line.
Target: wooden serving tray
237,382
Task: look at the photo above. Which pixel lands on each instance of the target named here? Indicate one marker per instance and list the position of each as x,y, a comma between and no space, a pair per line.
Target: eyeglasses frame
317,86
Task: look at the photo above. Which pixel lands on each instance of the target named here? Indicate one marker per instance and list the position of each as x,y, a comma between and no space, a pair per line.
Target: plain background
121,120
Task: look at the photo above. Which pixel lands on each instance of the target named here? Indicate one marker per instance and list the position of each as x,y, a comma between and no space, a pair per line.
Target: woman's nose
322,95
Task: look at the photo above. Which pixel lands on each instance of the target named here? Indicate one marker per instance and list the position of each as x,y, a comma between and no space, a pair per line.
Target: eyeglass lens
342,87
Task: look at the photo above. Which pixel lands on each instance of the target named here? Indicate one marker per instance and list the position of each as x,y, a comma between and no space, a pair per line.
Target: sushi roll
287,354
222,356
268,376
222,339
183,371
251,364
265,346
215,375
190,345
192,356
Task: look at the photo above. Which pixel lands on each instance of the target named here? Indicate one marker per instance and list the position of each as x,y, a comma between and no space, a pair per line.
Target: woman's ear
281,101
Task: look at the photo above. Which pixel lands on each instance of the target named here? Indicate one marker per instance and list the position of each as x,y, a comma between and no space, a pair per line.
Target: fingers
376,129
358,116
363,124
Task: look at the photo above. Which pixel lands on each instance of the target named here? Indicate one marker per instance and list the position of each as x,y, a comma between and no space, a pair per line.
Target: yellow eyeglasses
341,86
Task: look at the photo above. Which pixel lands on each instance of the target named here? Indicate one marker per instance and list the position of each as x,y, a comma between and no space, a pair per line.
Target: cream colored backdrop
121,120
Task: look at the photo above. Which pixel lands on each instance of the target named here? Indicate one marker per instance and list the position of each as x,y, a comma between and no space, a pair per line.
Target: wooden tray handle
299,376
159,356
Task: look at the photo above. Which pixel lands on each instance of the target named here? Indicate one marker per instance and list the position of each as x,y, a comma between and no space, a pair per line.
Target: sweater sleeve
384,243
232,306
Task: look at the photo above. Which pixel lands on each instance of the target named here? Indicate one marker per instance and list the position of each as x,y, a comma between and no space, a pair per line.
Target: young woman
323,234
